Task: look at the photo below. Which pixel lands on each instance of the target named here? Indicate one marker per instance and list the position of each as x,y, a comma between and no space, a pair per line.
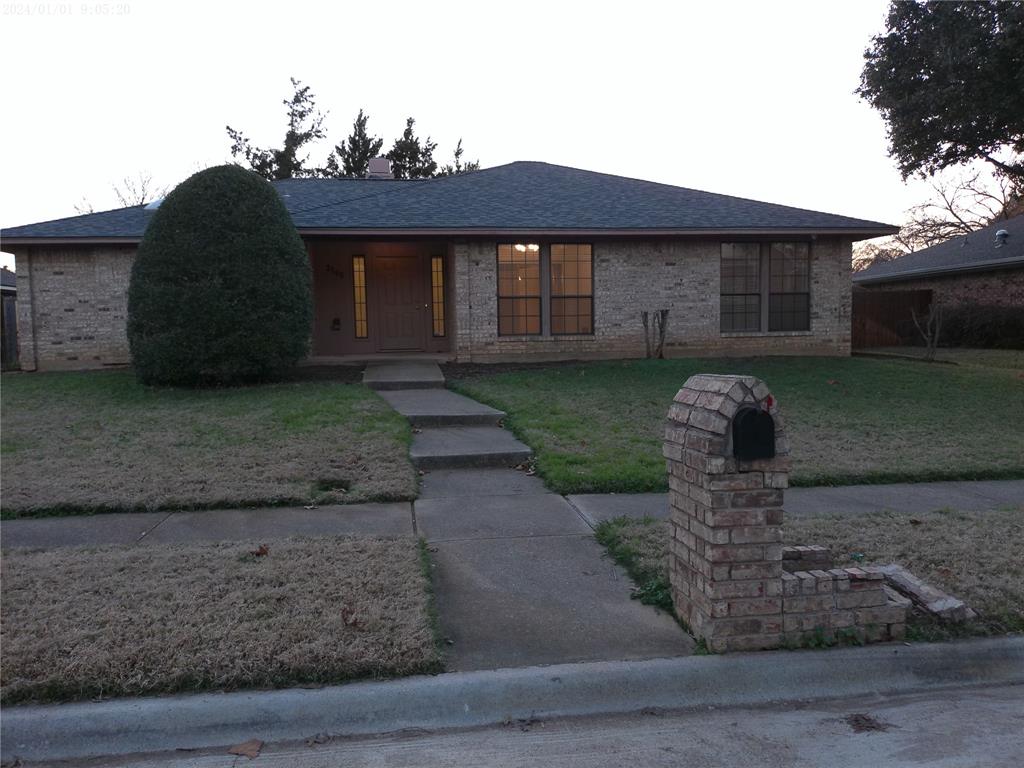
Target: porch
380,300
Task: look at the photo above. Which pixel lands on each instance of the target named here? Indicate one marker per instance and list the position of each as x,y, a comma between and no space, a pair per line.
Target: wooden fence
884,318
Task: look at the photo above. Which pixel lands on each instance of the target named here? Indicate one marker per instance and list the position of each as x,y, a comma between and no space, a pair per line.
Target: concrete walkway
451,431
396,519
909,498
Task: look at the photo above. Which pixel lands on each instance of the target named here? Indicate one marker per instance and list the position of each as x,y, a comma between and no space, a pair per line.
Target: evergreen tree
411,159
352,157
305,125
458,167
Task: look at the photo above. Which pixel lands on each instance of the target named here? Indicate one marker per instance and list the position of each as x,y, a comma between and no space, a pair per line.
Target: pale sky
753,99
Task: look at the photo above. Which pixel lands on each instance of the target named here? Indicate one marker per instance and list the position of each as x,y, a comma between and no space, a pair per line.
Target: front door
400,303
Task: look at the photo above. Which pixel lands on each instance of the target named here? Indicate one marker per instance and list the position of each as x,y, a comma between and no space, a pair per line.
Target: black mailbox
753,435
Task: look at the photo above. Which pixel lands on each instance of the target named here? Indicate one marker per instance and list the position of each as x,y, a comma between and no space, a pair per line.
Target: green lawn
99,441
597,427
989,358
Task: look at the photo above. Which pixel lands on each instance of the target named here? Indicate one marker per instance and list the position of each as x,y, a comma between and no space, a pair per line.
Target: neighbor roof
8,280
521,197
975,252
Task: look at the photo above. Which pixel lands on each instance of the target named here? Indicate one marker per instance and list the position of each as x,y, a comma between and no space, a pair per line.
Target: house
983,268
8,319
523,261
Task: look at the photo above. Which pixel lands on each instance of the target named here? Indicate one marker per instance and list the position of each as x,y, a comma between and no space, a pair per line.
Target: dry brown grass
100,441
973,555
116,621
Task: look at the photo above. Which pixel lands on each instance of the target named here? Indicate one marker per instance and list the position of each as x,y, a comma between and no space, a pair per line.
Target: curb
466,699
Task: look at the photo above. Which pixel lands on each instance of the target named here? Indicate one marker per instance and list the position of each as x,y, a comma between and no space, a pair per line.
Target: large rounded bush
220,290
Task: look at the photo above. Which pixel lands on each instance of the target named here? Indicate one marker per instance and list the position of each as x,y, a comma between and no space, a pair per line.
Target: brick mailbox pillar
728,465
725,557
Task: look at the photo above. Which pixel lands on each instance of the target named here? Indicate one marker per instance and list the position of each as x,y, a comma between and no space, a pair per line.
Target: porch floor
378,357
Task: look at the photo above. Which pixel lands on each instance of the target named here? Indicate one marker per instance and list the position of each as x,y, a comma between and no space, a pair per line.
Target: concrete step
390,376
462,447
441,408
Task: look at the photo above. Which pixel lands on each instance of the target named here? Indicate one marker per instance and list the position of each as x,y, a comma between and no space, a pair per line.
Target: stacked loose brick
806,558
726,556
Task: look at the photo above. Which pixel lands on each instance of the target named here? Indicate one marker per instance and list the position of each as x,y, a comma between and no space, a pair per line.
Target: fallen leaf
250,748
320,738
261,551
914,521
833,382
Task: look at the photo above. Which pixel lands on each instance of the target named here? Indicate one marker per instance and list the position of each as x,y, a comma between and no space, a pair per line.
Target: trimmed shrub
220,290
983,326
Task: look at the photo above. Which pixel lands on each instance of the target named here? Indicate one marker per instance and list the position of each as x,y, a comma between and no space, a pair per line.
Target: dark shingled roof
7,278
977,251
520,196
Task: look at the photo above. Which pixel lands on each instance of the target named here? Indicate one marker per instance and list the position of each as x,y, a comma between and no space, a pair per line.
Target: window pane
741,312
789,268
518,289
741,268
789,312
437,294
572,288
359,296
790,279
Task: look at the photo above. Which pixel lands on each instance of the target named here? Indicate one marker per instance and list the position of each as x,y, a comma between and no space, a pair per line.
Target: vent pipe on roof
1001,236
379,168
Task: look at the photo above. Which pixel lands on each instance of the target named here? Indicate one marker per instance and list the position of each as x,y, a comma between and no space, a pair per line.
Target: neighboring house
523,261
984,268
8,319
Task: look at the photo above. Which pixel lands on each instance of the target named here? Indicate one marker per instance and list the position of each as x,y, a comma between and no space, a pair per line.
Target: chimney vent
1001,236
379,168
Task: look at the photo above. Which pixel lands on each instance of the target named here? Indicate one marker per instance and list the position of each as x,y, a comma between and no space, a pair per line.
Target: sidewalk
396,519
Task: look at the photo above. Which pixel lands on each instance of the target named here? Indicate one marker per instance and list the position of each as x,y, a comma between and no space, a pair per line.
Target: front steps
441,408
466,447
414,374
451,431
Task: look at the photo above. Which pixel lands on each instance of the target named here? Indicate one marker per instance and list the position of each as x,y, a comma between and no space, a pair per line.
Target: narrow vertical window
518,289
437,294
741,287
789,292
359,295
572,289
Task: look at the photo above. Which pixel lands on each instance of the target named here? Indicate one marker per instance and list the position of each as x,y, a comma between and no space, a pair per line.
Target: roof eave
855,233
8,241
913,274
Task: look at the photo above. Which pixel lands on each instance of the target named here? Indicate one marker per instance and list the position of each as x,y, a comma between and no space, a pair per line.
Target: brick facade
72,303
73,306
632,276
996,288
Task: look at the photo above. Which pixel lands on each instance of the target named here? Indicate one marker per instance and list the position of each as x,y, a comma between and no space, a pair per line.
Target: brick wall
1001,288
632,276
73,306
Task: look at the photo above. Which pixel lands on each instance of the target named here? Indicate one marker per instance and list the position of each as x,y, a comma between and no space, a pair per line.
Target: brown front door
400,303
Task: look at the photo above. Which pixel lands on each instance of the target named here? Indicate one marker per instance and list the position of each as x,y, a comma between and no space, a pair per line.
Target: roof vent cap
379,168
1001,236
